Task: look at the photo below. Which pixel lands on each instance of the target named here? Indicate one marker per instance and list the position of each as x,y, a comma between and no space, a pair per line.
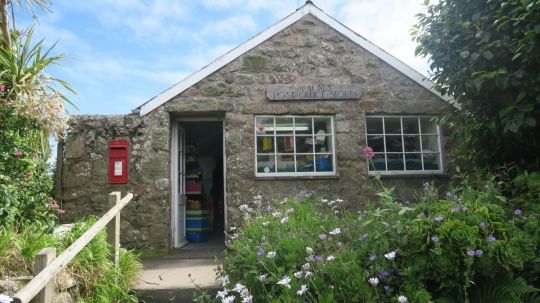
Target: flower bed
471,246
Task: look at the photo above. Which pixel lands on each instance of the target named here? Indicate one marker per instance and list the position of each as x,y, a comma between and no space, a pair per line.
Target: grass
97,278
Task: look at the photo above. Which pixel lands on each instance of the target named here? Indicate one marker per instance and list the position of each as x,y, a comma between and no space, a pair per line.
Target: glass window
403,143
295,145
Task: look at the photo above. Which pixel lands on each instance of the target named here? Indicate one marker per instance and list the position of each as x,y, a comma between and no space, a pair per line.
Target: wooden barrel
197,224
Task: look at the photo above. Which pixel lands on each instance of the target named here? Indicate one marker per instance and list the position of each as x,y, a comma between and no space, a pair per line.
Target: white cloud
154,20
386,23
230,27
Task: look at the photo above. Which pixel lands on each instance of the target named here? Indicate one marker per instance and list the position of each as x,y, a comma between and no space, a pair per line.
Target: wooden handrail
44,277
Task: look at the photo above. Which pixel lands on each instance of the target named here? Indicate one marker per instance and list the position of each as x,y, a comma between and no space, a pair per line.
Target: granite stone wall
307,52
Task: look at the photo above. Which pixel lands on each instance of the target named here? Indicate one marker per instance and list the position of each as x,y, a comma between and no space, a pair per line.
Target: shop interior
203,181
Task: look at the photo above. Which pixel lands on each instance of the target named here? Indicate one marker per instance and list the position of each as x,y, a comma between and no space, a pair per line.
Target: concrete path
175,273
170,280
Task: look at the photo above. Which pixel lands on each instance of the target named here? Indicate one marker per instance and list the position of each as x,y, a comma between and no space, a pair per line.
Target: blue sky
121,53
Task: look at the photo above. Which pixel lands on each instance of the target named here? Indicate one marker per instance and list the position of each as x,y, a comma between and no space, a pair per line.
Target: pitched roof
308,9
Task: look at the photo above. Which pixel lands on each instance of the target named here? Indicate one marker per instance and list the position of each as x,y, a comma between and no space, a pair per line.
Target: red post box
118,161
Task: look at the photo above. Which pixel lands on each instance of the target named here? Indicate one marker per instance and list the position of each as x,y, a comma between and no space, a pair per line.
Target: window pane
412,143
323,125
428,126
304,144
430,144
395,161
285,144
265,164
284,125
285,163
374,125
377,163
264,125
323,163
392,125
431,162
376,142
324,144
410,125
413,161
393,144
265,144
304,163
302,126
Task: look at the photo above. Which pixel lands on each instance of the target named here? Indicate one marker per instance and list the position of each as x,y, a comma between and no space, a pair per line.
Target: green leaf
530,121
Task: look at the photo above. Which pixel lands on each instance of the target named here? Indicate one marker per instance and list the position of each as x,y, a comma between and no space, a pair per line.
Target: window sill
409,175
329,177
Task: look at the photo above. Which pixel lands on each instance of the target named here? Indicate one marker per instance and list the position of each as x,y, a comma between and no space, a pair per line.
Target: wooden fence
42,288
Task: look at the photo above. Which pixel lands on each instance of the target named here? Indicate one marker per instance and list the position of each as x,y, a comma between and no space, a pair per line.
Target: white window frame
294,154
421,152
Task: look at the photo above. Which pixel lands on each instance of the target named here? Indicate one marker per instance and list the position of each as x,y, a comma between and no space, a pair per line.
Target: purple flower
518,212
319,259
479,252
434,238
426,186
482,225
260,252
455,209
451,196
439,218
471,253
373,257
383,274
464,208
491,238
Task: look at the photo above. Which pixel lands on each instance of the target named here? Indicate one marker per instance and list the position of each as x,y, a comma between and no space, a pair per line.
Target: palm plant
26,87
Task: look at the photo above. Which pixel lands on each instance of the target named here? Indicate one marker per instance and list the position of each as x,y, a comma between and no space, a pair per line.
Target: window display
294,145
403,143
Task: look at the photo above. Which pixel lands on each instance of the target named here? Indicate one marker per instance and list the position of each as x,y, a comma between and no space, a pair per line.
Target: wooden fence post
113,228
43,258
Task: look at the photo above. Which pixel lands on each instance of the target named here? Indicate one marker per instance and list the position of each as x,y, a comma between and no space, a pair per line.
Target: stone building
285,114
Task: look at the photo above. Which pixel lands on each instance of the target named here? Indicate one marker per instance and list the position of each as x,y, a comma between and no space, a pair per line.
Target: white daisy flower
303,289
374,281
285,282
402,299
391,255
335,232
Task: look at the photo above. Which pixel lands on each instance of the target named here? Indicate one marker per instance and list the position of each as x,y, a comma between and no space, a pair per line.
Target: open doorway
200,213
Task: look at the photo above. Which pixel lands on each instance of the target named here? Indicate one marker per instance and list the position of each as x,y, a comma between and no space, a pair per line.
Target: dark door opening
203,182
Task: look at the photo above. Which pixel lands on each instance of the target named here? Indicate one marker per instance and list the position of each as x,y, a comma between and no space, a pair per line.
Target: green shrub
96,275
25,178
456,249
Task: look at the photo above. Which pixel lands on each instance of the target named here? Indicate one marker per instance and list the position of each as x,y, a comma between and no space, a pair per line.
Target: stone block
160,139
213,89
255,64
75,146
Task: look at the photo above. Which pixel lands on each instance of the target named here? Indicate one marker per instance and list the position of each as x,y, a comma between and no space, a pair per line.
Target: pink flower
368,152
27,176
61,211
53,206
18,153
